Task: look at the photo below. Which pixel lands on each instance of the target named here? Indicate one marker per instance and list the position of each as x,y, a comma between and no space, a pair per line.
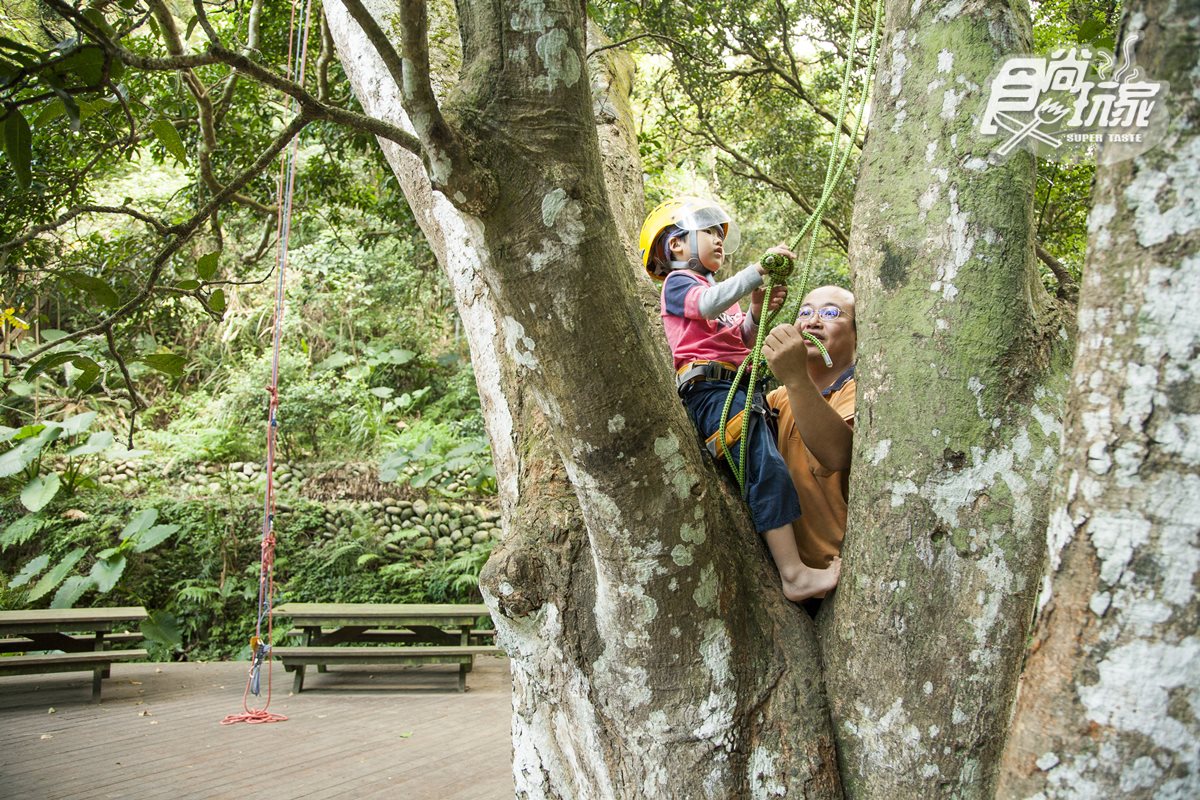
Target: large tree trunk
961,370
1110,700
653,654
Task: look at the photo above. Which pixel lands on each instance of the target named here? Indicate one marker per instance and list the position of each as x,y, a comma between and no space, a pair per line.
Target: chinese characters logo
1075,102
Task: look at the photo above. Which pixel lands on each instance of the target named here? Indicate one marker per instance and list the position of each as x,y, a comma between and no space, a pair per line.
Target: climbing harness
260,644
779,268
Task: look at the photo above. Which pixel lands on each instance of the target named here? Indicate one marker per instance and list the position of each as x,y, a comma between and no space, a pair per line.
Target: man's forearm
825,433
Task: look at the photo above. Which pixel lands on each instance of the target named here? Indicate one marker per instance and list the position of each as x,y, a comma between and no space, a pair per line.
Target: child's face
711,244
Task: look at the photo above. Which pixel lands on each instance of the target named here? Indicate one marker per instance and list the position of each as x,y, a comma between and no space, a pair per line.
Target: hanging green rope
779,268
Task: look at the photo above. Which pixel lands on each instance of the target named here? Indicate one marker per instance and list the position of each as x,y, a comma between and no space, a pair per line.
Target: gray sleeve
715,299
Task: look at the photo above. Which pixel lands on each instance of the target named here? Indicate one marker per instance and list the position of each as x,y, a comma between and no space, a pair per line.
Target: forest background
134,435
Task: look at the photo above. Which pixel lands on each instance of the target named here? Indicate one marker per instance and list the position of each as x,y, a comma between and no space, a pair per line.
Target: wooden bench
407,634
97,661
68,640
295,658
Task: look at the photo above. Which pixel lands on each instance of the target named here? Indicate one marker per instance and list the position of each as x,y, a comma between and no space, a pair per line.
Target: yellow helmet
686,214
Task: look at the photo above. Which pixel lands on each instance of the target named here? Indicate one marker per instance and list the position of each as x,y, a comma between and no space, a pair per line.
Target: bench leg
298,679
97,674
462,676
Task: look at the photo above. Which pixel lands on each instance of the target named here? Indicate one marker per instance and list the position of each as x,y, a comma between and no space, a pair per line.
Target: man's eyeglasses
825,313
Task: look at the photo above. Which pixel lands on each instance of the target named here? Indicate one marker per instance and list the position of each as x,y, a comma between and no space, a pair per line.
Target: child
683,243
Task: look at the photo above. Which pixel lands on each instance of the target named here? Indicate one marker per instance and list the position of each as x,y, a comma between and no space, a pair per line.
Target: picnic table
412,633
83,635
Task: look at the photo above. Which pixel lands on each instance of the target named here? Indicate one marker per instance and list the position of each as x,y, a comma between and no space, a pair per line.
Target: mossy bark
961,367
1109,697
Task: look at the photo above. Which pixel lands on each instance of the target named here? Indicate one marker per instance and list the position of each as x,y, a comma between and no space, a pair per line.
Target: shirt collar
840,382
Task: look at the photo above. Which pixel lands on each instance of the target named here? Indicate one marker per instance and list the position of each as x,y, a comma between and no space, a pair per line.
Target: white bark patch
880,451
1097,225
957,241
1001,583
945,61
519,346
705,594
878,736
764,779
717,710
561,63
1115,537
899,62
950,102
681,555
950,11
616,424
1133,693
1146,196
675,471
901,490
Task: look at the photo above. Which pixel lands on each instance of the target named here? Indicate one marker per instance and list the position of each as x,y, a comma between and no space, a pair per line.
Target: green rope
779,268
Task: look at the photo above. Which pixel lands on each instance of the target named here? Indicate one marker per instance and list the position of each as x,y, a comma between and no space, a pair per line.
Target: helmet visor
699,217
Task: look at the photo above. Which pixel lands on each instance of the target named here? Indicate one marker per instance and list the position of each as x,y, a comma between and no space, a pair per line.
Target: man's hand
786,352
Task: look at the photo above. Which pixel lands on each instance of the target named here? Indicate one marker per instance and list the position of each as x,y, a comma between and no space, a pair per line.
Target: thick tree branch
71,214
1067,288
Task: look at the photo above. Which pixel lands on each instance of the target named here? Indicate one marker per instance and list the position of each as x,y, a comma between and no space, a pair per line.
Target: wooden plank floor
355,732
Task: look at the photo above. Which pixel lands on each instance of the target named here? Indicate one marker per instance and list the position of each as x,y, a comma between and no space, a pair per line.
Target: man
816,416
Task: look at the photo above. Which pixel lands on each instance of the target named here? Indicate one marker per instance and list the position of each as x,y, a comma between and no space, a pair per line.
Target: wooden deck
353,734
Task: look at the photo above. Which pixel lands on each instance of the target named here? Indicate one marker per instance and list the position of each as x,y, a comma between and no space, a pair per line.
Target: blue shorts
769,488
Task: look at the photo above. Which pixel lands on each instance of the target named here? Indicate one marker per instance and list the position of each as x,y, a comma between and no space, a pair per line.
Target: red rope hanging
260,647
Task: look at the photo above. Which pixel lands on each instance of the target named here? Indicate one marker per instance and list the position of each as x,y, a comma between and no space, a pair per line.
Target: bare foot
807,582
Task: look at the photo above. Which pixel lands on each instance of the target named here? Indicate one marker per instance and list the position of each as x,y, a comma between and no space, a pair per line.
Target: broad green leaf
191,26
21,531
72,589
383,392
106,572
47,363
206,266
336,359
7,433
357,373
89,371
21,456
18,144
216,301
73,426
396,356
31,569
147,540
87,64
98,442
109,552
140,522
55,576
162,628
50,112
169,137
40,491
188,285
97,289
169,363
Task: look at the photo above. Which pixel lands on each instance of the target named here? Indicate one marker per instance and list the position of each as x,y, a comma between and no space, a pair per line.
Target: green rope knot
778,266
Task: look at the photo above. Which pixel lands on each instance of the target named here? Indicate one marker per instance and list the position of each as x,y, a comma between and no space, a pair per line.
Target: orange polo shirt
820,529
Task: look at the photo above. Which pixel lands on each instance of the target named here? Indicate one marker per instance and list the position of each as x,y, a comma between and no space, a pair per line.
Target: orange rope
260,648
